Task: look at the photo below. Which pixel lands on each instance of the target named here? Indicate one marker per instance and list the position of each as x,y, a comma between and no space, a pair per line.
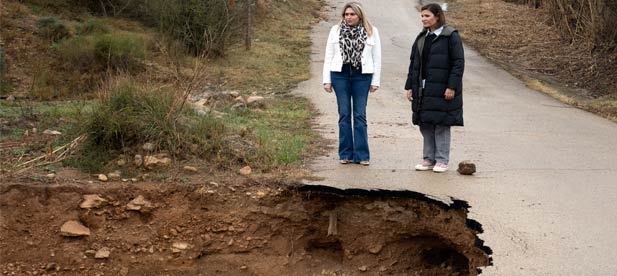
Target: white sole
423,168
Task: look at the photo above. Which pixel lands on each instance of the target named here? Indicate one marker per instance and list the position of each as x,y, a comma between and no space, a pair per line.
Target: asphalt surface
546,187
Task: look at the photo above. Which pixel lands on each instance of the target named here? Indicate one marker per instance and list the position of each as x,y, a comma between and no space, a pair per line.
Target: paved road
546,186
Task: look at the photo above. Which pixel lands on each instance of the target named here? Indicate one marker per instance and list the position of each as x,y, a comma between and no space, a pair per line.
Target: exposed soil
236,226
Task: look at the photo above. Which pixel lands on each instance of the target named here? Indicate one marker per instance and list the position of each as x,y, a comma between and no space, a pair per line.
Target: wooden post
249,25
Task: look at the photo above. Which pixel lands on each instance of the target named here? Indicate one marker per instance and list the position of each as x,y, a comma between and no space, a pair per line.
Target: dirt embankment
226,228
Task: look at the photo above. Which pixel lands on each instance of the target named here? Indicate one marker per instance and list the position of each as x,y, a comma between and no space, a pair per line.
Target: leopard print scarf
352,40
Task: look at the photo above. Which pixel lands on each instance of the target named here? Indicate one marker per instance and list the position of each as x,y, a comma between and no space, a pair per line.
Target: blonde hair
357,8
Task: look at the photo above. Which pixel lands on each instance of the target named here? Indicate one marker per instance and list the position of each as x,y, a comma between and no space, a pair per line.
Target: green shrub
52,28
120,52
76,70
128,116
203,26
93,26
77,54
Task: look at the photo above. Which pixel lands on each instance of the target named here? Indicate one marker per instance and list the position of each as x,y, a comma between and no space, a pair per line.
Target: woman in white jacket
352,68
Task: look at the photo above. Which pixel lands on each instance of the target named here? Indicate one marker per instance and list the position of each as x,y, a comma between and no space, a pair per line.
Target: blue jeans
436,143
352,88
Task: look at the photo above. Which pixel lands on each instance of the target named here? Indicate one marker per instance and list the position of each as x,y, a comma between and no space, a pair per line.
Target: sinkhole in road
251,228
388,232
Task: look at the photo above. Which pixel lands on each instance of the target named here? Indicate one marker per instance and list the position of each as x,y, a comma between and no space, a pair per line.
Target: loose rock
73,228
466,167
102,253
114,176
375,248
246,170
153,162
93,201
180,245
140,204
103,177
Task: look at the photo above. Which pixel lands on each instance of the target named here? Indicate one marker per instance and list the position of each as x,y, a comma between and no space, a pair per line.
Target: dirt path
544,189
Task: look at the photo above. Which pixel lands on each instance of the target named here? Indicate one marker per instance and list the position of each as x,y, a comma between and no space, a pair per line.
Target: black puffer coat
444,69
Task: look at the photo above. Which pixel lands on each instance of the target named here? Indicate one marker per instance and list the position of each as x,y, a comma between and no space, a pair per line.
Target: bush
77,54
76,67
116,123
128,116
203,26
93,26
52,28
119,52
585,21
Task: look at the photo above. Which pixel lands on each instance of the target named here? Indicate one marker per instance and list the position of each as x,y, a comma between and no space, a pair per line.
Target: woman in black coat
435,86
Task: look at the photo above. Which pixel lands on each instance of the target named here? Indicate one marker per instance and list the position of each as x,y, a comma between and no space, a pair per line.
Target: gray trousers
436,143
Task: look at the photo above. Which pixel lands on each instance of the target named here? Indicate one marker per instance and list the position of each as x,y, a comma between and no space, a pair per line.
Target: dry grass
585,21
524,41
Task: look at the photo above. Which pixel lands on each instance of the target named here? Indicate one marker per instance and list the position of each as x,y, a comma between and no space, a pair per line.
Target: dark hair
437,11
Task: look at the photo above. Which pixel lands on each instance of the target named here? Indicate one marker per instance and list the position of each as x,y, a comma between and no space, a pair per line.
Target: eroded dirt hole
227,229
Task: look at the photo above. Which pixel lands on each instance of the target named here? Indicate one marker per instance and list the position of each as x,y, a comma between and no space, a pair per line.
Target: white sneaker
424,166
440,167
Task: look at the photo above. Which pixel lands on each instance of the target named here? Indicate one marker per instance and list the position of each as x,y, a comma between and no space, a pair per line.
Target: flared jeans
352,88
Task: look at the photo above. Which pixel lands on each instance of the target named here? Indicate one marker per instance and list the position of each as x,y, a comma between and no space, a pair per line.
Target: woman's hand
449,95
409,95
374,88
327,87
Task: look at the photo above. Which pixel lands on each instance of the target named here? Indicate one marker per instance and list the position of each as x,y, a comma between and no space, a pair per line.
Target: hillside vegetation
178,76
